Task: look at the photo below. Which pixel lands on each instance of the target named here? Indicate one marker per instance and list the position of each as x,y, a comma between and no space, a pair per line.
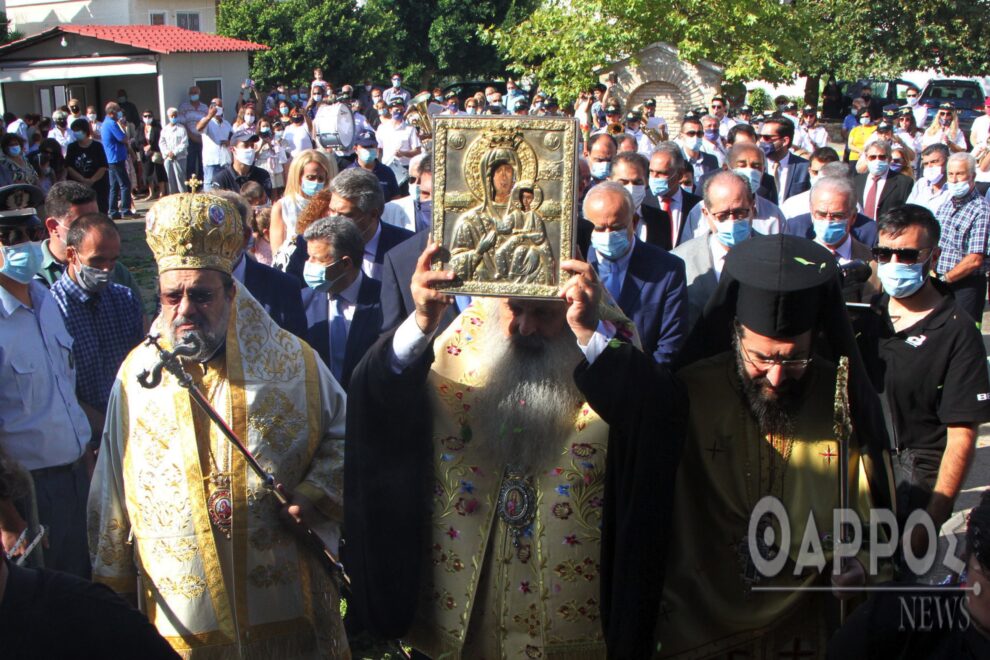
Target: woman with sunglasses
945,130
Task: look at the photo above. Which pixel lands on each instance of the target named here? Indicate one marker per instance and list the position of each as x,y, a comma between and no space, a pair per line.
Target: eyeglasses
769,138
198,297
823,215
876,157
945,113
694,133
765,364
896,161
717,106
904,255
731,214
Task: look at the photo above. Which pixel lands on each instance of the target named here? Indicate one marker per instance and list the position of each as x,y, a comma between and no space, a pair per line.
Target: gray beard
528,404
209,339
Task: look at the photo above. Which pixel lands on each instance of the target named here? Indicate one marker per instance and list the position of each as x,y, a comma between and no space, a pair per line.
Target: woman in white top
271,155
246,119
945,129
309,173
297,137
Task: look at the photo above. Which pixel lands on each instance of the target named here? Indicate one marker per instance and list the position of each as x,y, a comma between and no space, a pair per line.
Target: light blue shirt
619,267
41,422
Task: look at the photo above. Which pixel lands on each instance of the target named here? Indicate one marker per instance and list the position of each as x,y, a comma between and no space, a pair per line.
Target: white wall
180,70
32,16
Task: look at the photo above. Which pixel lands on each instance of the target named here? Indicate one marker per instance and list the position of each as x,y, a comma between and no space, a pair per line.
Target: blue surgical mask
414,191
896,167
711,136
732,232
317,98
601,169
611,245
692,144
751,174
659,186
194,97
315,276
397,114
80,135
120,114
830,232
310,188
367,156
958,189
901,280
424,214
174,120
877,167
396,83
767,147
21,261
14,150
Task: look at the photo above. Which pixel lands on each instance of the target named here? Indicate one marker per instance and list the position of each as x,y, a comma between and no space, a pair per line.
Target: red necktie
871,199
665,207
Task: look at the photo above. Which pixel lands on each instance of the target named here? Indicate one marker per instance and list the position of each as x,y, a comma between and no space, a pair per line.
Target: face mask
944,121
265,132
245,156
638,192
315,277
901,280
958,189
414,191
317,98
767,147
79,135
492,98
472,111
281,97
147,120
294,97
877,167
732,232
45,171
692,144
122,99
830,232
912,101
91,117
896,167
120,114
751,174
396,83
249,119
659,186
14,150
375,100
711,136
92,280
279,134
933,174
194,97
297,119
611,245
22,261
397,114
367,88
601,169
310,188
367,156
173,120
864,121
283,111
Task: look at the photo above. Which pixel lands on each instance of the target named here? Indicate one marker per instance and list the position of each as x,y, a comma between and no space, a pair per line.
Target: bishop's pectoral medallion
748,572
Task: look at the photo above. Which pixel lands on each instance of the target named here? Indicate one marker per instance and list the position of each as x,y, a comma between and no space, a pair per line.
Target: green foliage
759,99
6,34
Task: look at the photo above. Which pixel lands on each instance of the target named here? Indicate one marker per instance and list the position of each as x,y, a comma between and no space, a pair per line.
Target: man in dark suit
343,306
647,283
276,291
397,272
863,230
879,190
665,210
357,195
790,172
738,134
691,138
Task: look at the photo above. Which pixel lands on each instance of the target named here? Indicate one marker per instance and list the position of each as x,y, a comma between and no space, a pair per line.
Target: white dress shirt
174,139
368,265
881,182
392,139
719,252
348,304
214,133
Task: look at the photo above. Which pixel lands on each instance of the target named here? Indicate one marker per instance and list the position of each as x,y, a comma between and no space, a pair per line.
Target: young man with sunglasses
930,358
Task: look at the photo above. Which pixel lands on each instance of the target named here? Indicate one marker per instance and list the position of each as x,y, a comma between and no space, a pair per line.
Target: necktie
665,207
610,278
870,207
338,338
775,171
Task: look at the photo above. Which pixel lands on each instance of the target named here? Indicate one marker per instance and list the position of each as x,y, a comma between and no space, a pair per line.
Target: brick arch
672,83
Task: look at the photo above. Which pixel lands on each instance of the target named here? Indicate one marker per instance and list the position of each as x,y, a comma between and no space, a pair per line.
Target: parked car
966,95
887,92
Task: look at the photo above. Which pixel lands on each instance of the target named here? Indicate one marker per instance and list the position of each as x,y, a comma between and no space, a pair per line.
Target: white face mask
245,156
249,119
638,193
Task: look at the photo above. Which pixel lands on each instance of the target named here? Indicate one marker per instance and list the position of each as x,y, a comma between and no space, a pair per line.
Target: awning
70,69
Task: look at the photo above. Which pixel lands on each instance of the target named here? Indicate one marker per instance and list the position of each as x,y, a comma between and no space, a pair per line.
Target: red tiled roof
163,38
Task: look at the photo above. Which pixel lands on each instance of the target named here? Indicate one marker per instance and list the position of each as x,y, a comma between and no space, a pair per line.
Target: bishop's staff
842,427
169,360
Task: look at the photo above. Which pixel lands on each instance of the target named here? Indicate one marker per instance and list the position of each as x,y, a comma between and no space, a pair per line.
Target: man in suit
601,151
742,134
790,172
343,306
646,282
878,189
728,209
397,272
276,291
864,229
691,139
833,213
665,210
357,195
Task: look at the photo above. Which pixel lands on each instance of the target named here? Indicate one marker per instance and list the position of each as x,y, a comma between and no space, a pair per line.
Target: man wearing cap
43,427
366,150
396,91
183,526
451,104
878,189
744,115
397,140
653,120
760,423
719,110
813,136
215,132
242,168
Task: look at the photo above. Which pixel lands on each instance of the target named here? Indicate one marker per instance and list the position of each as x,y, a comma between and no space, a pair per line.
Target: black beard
773,412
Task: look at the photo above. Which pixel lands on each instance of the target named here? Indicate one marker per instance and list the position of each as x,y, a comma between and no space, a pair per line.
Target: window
158,18
209,89
188,20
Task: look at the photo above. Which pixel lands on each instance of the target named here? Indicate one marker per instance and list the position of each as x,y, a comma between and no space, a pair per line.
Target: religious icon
504,191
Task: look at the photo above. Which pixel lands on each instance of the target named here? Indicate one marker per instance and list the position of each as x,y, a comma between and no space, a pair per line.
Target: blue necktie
609,271
338,339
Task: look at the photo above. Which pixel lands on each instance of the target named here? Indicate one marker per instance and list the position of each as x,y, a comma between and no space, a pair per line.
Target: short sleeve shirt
935,374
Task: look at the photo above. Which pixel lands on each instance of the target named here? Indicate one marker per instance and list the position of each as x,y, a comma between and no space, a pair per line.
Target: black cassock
388,473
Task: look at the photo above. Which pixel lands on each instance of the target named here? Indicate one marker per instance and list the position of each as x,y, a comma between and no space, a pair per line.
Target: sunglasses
694,133
769,138
904,255
717,107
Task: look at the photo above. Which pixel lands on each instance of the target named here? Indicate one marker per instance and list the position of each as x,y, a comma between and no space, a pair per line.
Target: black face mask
297,120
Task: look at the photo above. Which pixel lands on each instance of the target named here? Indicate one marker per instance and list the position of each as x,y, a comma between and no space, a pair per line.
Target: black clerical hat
782,281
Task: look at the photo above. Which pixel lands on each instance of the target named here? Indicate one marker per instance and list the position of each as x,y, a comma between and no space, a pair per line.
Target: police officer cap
612,109
745,109
366,139
947,106
782,283
520,104
691,115
809,110
18,206
650,103
634,115
396,102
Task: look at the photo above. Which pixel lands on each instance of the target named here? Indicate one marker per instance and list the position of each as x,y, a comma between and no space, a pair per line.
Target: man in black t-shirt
232,177
931,368
86,162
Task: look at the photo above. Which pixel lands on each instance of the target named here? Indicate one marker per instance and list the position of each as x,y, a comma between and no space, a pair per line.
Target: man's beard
208,338
528,404
772,409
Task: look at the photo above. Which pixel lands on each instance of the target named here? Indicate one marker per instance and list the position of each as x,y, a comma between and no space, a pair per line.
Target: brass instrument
615,128
653,134
419,115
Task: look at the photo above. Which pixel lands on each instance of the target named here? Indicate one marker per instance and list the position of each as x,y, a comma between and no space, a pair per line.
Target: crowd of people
567,478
